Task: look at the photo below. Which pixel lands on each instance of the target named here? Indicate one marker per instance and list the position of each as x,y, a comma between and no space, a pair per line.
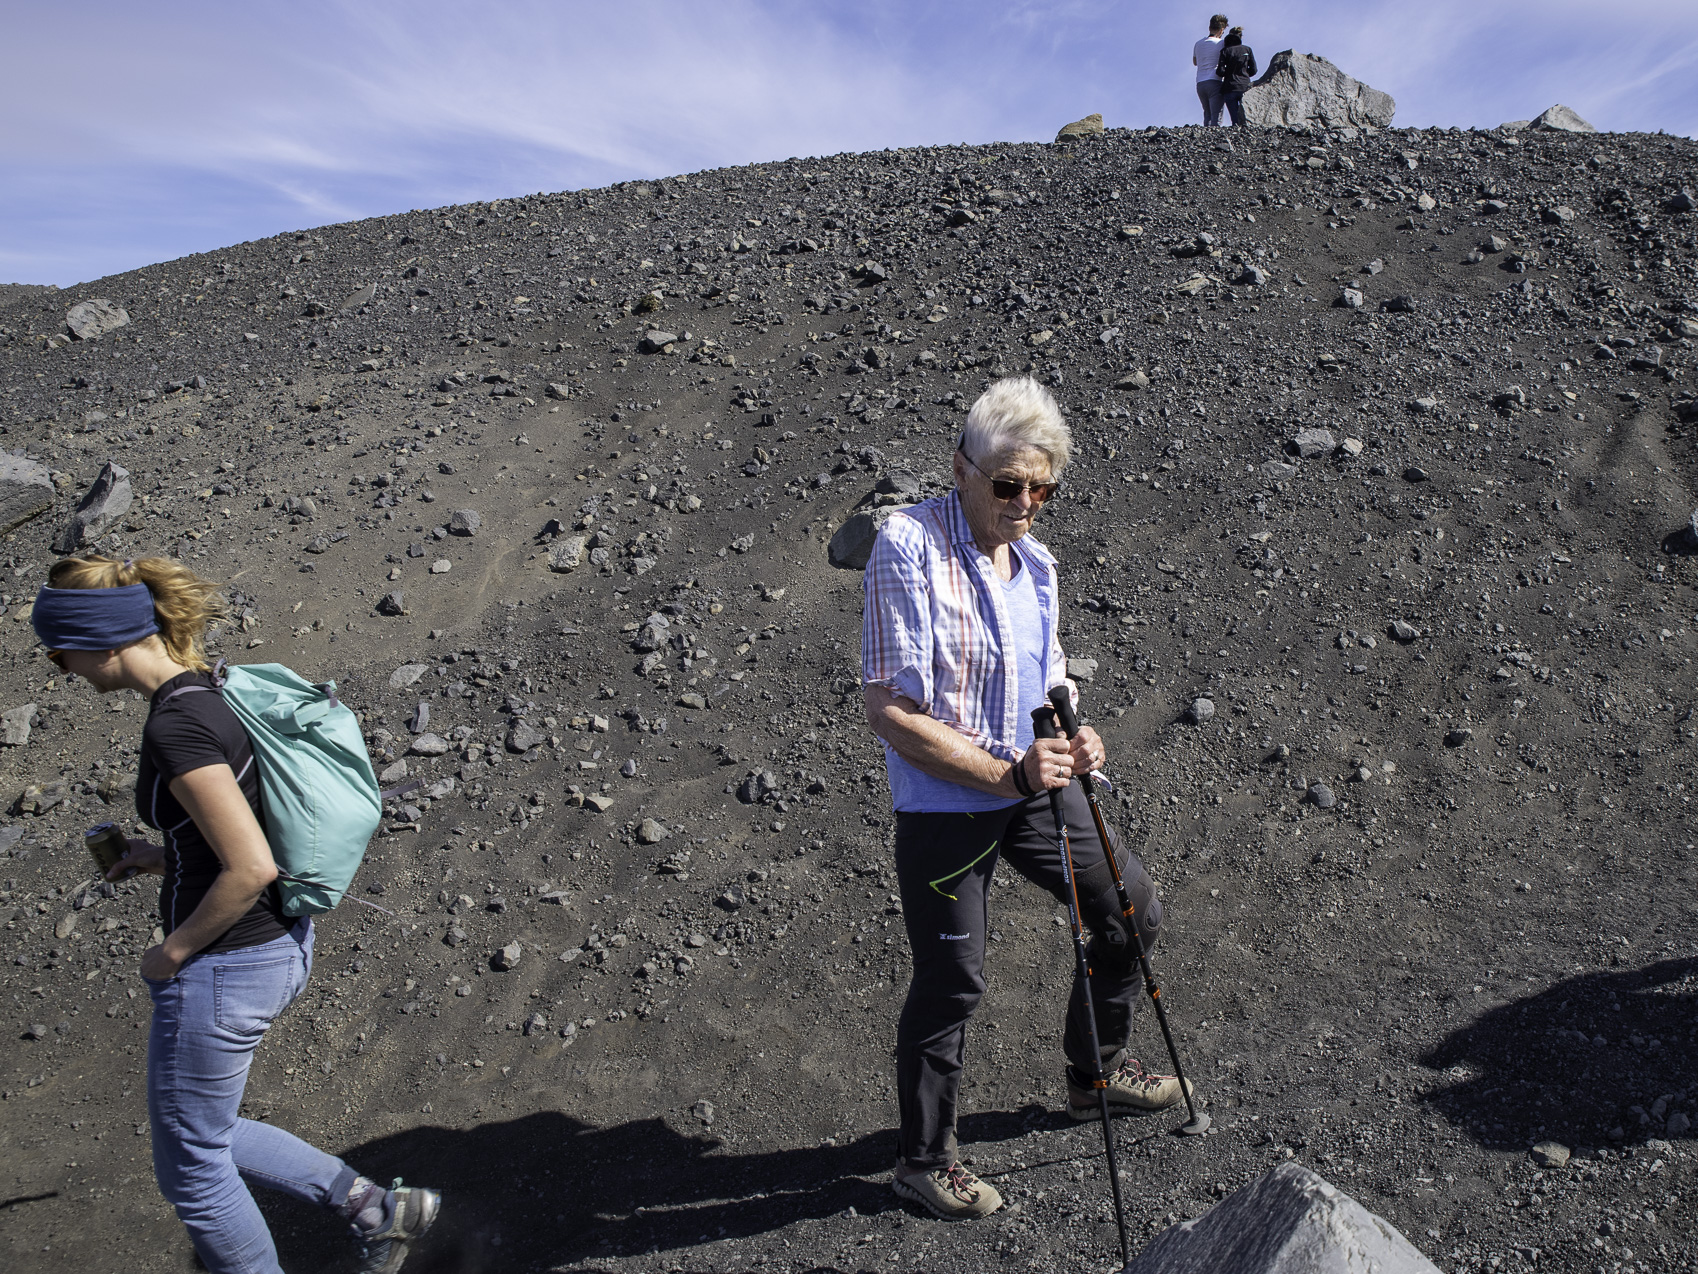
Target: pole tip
1197,1127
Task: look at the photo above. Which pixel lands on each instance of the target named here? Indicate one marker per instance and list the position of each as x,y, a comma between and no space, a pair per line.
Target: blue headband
93,618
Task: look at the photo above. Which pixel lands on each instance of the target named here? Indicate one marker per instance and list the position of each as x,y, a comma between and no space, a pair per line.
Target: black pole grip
1043,723
1064,709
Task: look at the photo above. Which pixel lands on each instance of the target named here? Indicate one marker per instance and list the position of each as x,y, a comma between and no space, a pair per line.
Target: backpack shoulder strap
183,690
218,679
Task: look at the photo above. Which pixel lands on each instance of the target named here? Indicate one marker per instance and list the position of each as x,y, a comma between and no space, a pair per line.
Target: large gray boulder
1292,1221
109,498
1305,88
1559,119
90,320
26,489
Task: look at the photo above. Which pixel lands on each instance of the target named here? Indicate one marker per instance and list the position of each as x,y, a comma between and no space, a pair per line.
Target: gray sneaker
1131,1087
952,1193
415,1212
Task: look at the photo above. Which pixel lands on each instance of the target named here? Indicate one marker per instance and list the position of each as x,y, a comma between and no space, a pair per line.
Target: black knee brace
1112,928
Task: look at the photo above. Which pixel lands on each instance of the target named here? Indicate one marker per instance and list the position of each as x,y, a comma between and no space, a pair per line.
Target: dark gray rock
898,482
108,498
508,957
757,787
522,737
365,296
391,604
853,543
1201,710
1310,443
464,522
26,490
1291,1221
1304,88
1322,796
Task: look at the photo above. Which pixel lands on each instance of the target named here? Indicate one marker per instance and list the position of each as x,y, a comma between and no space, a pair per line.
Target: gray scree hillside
1375,548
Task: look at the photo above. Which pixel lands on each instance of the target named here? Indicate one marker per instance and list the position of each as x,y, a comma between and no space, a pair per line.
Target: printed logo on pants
954,937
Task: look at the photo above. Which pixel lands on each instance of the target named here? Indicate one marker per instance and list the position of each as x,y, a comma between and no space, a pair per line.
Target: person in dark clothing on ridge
1236,68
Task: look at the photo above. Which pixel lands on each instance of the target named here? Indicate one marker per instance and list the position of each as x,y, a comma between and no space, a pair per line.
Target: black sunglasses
1003,489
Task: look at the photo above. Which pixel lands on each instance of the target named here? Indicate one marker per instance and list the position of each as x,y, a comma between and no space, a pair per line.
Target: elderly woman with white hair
959,644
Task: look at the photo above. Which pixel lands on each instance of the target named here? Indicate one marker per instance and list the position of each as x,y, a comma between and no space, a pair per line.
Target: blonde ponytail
183,602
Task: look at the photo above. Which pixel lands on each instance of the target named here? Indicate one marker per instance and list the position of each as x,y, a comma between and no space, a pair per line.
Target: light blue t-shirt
914,791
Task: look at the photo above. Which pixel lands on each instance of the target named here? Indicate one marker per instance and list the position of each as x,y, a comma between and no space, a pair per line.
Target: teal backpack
320,796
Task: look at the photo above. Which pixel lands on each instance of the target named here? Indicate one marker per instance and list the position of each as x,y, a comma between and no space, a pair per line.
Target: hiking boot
384,1251
953,1193
1131,1087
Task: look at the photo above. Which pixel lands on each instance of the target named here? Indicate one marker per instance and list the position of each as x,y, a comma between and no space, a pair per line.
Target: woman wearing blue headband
231,960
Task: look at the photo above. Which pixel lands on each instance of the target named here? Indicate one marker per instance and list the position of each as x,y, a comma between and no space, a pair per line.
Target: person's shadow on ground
1601,1059
547,1190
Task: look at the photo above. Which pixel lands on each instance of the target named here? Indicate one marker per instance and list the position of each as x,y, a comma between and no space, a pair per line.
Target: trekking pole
1063,703
1043,726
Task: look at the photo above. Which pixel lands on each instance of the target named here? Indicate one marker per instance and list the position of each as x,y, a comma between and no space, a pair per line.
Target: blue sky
132,133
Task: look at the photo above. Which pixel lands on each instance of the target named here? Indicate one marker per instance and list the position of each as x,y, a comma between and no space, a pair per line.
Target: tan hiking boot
1131,1087
953,1194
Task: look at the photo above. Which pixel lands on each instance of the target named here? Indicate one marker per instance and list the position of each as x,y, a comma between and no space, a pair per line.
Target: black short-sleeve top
186,732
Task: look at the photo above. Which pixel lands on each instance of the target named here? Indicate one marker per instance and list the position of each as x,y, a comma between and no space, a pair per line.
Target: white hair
1012,414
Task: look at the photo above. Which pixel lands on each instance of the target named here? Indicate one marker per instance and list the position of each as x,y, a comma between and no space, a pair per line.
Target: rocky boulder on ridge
1305,88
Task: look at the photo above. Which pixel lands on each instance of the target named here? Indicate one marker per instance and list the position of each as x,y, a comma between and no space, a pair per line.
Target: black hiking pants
944,866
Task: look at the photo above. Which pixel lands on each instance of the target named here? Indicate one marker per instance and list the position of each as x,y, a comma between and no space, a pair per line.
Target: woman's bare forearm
227,900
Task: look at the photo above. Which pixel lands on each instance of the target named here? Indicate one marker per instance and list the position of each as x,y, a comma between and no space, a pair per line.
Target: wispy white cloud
172,126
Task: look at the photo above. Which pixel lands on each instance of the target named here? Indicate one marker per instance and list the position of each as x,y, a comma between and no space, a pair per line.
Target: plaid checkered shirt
935,628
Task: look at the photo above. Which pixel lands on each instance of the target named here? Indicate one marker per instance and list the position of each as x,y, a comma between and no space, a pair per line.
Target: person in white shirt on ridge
1205,56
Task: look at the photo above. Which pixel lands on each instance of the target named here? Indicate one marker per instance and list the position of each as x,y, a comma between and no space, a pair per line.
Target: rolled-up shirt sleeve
896,626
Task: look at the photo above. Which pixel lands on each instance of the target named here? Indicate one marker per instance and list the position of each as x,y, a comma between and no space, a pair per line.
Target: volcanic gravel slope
1481,940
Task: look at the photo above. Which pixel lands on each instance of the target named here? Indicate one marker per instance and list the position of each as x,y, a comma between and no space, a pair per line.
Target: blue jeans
1211,94
207,1021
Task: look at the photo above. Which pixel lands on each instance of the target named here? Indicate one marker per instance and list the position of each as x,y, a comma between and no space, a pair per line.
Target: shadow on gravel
1681,543
1601,1059
547,1190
